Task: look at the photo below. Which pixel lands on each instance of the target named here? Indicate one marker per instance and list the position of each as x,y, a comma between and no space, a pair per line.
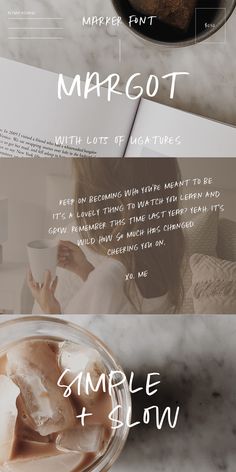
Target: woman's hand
45,294
72,258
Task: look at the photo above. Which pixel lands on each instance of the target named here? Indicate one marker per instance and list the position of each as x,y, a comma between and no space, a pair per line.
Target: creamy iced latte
50,419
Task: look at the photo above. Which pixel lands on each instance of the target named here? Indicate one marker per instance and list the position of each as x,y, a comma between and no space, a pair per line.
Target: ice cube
83,439
81,359
31,436
9,393
58,463
33,367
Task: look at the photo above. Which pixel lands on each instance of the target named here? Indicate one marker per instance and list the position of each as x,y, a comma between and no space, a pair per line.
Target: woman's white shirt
104,293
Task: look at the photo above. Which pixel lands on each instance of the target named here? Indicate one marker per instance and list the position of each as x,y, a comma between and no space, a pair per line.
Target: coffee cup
42,256
207,18
36,348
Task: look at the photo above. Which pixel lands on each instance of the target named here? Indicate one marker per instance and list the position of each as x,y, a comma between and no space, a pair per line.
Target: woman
122,207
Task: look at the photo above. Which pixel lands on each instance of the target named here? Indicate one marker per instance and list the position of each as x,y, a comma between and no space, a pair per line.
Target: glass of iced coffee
55,403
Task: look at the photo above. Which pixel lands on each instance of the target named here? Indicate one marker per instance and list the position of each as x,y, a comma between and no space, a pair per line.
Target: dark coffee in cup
174,13
174,22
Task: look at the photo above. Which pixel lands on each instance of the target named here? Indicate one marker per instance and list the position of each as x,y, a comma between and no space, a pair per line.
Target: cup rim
116,445
182,43
49,244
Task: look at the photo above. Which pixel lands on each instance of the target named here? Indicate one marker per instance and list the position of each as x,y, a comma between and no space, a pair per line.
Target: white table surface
210,91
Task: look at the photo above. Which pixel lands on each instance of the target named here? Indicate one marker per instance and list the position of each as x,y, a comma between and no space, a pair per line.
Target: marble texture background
210,91
196,359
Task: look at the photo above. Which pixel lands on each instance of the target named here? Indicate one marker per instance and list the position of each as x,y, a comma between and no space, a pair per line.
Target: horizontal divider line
29,18
33,28
31,37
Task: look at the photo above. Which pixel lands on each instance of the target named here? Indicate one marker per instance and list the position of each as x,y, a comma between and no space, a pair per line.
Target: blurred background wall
28,187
